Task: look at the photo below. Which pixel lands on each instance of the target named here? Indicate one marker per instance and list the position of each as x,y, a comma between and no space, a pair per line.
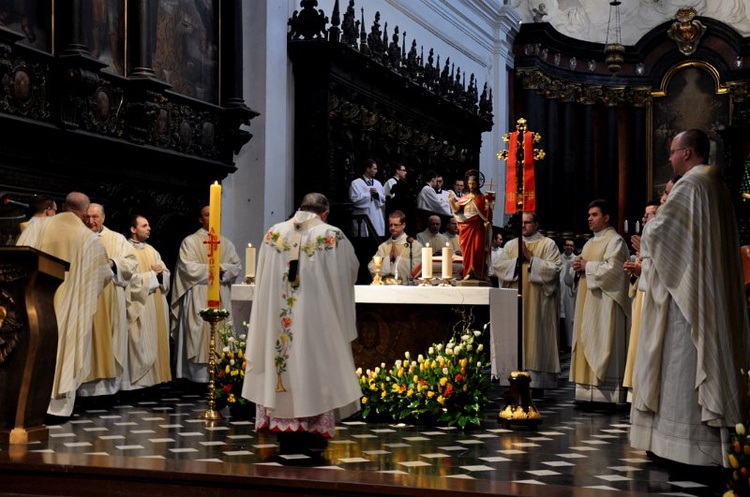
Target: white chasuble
541,304
299,357
687,385
148,321
190,296
601,320
66,237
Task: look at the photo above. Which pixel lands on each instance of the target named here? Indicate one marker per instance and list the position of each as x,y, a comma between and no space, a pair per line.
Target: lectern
28,341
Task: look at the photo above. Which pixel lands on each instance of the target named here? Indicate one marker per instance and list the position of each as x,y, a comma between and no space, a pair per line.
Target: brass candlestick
213,316
250,280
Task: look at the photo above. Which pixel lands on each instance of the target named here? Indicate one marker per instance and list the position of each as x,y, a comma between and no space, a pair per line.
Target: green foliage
445,384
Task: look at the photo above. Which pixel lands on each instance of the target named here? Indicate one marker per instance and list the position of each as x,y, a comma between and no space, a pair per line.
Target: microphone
7,201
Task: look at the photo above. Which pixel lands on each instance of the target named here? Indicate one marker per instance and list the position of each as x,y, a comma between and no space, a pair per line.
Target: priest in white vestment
687,385
601,321
400,253
190,296
300,368
110,335
148,312
540,271
66,236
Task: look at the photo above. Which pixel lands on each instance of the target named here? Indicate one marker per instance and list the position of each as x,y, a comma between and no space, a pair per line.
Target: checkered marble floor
572,447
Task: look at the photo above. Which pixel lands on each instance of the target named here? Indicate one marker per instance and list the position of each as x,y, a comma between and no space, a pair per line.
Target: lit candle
250,261
447,262
427,262
637,227
214,252
626,226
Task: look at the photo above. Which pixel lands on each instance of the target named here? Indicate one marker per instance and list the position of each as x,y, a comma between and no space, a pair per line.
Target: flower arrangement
445,385
230,367
738,455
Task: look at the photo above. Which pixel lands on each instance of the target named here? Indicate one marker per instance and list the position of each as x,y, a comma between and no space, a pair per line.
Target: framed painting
187,47
691,96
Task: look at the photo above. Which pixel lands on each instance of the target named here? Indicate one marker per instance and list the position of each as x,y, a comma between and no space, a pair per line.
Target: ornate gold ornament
686,31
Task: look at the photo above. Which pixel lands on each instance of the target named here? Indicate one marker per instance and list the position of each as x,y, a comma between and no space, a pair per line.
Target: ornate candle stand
213,316
250,280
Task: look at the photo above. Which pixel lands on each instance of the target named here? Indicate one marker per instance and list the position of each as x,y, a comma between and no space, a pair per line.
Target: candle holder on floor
213,316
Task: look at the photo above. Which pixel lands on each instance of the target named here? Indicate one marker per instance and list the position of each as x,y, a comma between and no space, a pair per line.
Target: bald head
77,203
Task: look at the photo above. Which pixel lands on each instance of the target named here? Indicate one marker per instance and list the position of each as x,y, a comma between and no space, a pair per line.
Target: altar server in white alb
687,385
540,270
300,368
190,296
148,312
368,197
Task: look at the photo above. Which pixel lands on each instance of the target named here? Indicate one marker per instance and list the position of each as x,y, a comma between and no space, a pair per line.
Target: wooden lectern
28,341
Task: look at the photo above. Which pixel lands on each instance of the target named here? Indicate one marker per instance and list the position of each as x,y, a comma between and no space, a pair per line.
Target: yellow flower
443,381
364,400
733,461
227,369
740,429
234,372
382,395
441,400
415,379
410,393
430,394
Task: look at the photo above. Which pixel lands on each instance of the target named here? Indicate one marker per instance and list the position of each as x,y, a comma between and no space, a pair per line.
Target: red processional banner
511,180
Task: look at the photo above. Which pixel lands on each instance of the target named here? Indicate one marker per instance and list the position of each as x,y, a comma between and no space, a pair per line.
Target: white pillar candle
250,261
626,226
637,227
427,262
447,262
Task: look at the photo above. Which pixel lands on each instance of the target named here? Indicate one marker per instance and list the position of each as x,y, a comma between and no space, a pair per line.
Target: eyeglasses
672,151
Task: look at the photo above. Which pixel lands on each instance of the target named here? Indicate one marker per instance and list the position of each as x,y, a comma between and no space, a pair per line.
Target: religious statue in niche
686,31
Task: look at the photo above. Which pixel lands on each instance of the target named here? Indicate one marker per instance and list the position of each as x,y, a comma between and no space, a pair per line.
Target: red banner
511,180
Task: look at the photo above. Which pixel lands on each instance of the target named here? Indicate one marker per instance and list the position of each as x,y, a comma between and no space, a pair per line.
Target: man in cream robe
66,236
633,269
432,235
602,313
687,386
148,312
541,299
401,254
300,368
110,338
190,296
567,290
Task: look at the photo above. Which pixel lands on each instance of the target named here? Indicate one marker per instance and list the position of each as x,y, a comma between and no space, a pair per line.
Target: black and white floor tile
572,447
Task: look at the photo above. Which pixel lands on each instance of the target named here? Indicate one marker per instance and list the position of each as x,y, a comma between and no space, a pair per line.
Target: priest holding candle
207,266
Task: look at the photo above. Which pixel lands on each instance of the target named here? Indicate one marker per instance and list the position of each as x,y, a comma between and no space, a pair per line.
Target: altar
393,319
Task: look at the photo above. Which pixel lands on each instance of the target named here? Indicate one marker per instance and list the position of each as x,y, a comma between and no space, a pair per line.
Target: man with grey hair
110,351
300,368
66,236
